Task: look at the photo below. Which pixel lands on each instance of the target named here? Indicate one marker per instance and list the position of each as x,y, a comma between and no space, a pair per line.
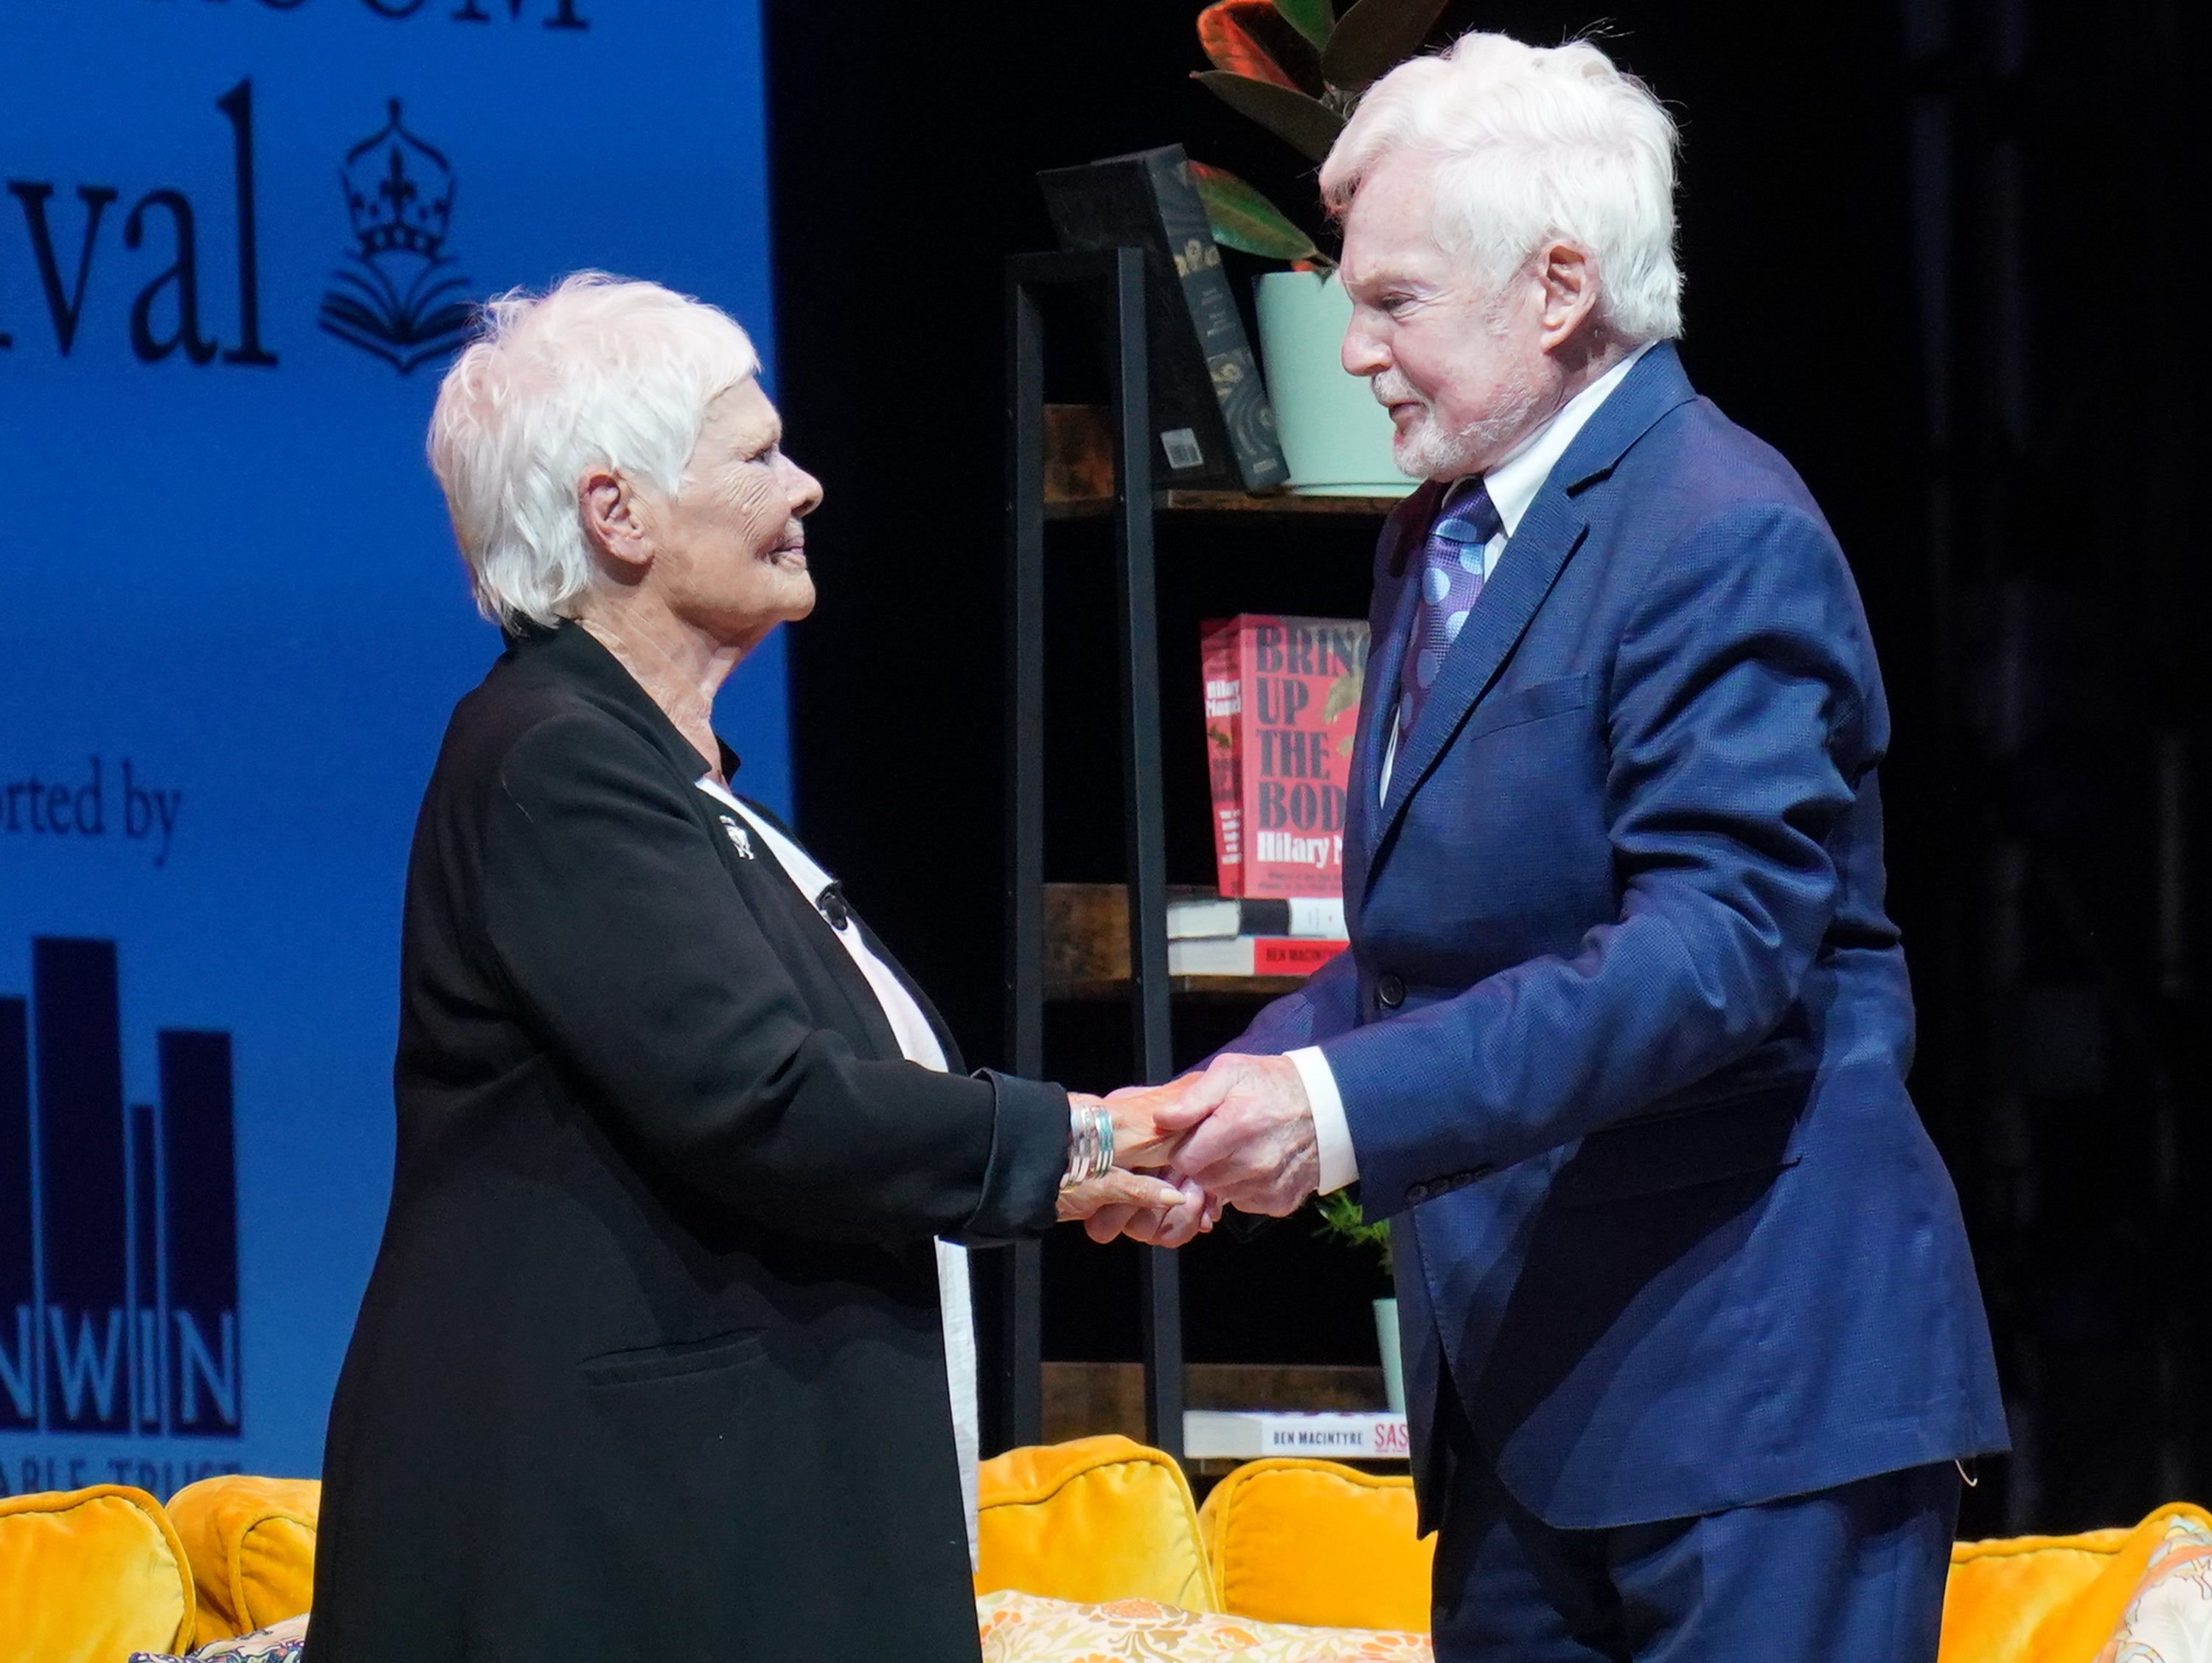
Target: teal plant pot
1393,1361
1334,435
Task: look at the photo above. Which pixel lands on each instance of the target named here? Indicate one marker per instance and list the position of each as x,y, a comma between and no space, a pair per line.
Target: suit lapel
759,878
953,1062
1549,534
823,941
768,887
1389,625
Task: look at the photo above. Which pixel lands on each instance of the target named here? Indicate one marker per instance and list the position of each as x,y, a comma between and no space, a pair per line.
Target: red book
1251,955
1225,703
1295,707
1282,955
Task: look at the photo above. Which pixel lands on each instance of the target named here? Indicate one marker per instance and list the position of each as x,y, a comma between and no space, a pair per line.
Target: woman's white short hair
1533,143
597,372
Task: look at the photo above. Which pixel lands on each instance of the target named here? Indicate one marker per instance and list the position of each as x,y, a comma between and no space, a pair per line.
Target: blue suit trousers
1852,1574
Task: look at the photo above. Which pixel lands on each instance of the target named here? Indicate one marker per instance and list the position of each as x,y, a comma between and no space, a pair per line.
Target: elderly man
1693,1339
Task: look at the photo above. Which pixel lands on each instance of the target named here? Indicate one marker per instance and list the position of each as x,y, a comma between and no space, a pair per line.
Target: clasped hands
1240,1133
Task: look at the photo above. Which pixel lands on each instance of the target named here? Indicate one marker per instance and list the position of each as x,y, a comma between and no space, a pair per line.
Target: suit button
1417,1193
1390,989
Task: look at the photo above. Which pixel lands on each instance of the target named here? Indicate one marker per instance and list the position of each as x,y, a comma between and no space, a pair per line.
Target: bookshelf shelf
1078,479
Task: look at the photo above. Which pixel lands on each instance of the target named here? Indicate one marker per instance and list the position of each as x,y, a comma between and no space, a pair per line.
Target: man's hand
1250,1134
1138,1140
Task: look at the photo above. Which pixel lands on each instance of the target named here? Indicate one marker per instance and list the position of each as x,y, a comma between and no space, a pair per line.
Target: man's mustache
1391,387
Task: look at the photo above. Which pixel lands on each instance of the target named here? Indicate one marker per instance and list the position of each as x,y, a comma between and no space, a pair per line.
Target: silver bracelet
1090,1145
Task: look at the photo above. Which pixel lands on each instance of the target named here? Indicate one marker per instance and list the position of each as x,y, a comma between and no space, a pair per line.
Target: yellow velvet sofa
1098,1519
90,1576
2049,1599
1313,1541
1099,1537
251,1544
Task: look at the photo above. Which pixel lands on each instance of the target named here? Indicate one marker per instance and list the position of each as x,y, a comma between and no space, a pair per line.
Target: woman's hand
1123,1202
1118,1193
1142,1208
1140,1142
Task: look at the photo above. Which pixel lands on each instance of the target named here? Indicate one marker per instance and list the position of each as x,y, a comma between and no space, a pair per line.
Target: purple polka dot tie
1452,563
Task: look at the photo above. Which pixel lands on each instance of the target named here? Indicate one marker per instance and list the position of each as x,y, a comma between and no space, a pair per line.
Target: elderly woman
653,1364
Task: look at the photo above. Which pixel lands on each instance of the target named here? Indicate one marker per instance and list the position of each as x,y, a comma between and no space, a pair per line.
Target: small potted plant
1341,1218
1298,69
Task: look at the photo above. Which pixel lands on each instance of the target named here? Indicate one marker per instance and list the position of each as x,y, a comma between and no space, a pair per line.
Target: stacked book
1282,697
1211,937
1215,1433
1254,936
1247,935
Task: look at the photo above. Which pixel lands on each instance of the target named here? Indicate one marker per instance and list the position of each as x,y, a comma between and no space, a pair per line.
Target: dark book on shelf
1210,410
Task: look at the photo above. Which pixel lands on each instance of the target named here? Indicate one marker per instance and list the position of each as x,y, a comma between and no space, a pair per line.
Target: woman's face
729,553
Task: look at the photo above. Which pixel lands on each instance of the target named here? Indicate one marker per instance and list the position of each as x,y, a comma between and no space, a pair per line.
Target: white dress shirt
917,1043
1513,484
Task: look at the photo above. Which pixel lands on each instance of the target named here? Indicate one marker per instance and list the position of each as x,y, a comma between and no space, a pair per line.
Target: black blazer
650,1364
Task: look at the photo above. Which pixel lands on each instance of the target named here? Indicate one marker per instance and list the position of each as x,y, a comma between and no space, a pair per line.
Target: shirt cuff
1339,1163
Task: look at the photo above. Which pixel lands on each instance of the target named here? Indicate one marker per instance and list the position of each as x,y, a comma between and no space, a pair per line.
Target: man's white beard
1426,449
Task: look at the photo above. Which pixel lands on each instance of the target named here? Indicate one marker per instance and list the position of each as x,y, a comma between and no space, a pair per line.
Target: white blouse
917,1043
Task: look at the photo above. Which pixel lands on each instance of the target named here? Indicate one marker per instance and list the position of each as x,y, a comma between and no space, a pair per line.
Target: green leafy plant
1341,1220
1344,695
1298,69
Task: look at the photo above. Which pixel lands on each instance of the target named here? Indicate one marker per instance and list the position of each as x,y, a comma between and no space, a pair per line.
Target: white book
1240,1434
1317,918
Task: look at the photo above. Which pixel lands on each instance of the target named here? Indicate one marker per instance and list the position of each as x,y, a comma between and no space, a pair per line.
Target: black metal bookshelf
1115,281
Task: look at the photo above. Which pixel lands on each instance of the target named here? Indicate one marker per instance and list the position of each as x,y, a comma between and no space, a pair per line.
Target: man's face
1459,362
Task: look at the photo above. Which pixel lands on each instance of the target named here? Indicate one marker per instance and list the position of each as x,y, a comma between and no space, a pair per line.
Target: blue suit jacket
1623,1031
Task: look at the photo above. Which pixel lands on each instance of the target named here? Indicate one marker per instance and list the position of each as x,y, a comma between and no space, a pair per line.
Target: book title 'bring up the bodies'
1282,703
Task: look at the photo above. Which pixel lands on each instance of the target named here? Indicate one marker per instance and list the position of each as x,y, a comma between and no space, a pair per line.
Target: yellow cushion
1296,1540
1098,1519
251,1544
1022,1628
90,1576
2047,1599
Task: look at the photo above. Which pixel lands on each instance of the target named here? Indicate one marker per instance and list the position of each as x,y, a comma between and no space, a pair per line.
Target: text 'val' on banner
240,242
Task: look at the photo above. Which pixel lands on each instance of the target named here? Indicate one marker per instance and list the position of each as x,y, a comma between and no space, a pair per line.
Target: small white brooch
738,840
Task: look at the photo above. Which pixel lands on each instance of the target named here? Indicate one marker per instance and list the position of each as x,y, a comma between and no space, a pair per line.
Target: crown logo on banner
399,295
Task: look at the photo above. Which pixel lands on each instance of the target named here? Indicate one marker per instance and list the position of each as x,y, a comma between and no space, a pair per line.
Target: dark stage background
1933,254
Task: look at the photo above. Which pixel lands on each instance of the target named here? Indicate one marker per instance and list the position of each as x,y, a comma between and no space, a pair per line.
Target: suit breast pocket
1508,825
1533,702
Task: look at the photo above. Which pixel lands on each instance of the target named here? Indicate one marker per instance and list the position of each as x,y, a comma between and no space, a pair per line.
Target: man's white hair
1533,143
597,372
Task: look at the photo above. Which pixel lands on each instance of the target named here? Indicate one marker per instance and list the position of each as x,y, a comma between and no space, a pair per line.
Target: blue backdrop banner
239,244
